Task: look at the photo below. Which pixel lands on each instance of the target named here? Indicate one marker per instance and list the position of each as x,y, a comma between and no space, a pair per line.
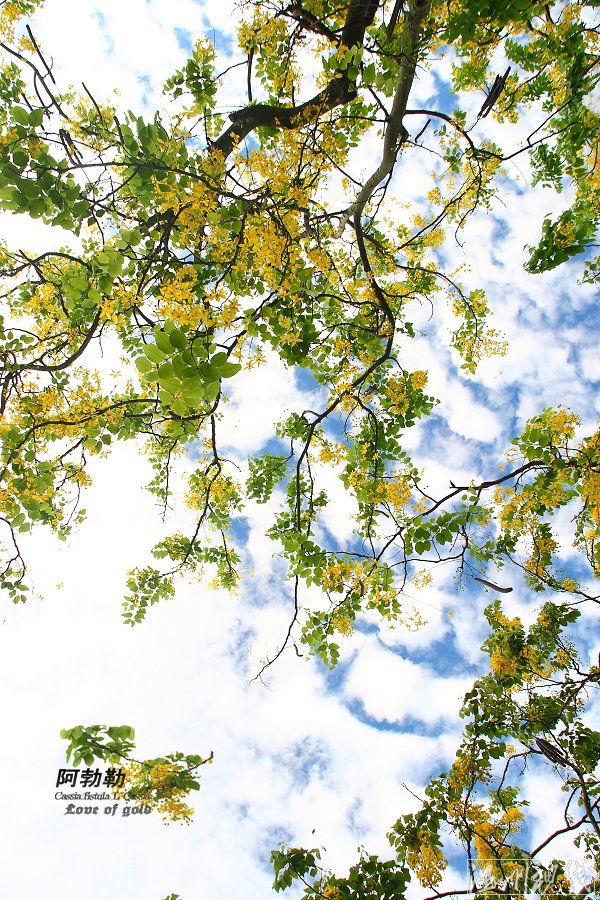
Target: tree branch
339,91
396,133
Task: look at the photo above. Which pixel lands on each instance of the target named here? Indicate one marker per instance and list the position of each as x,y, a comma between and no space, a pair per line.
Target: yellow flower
331,892
418,379
342,623
426,860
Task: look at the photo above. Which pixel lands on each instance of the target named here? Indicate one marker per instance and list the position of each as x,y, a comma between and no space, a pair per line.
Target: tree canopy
200,244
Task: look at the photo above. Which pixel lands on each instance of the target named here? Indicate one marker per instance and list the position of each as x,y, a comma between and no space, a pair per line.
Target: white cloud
392,688
131,46
265,396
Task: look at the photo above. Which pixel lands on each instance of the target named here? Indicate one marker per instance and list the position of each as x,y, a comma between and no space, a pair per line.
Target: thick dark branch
358,18
396,133
558,832
37,75
249,79
339,91
39,53
309,21
585,797
394,17
41,367
244,121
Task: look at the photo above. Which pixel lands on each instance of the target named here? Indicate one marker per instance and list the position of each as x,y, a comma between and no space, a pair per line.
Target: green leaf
178,339
36,117
144,365
227,370
163,341
20,115
153,353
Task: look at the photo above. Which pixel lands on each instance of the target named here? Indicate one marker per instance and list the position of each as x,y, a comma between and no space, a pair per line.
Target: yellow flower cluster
342,622
467,769
397,493
483,346
559,887
542,545
527,660
384,600
84,122
109,312
8,138
434,237
261,30
538,667
503,665
396,393
216,497
10,13
361,579
333,453
339,574
502,662
422,578
220,490
490,836
412,620
330,892
564,234
561,423
268,34
516,511
266,244
426,860
192,217
563,659
249,357
45,308
475,342
342,347
591,493
25,44
154,787
418,379
503,620
178,298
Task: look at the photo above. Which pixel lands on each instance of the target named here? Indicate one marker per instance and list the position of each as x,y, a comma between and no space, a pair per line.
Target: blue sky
308,748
